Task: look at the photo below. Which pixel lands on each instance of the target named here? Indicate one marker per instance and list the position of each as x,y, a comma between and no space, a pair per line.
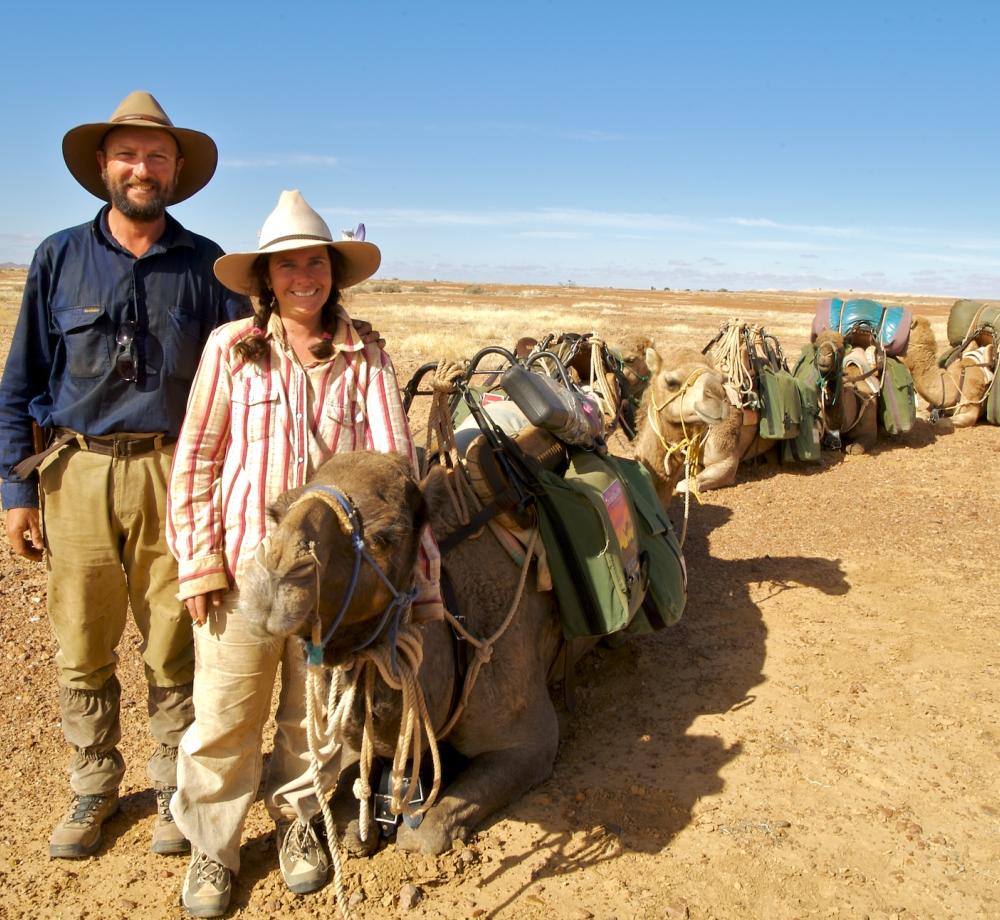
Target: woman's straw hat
140,110
295,225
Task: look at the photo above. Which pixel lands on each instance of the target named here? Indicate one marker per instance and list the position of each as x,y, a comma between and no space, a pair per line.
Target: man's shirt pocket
87,337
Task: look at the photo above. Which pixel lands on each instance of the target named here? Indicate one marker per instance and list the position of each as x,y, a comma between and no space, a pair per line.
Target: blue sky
669,144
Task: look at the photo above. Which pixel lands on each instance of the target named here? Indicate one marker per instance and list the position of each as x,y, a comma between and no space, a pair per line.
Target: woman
273,398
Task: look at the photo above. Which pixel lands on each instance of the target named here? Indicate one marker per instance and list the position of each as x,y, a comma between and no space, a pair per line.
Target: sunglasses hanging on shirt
126,363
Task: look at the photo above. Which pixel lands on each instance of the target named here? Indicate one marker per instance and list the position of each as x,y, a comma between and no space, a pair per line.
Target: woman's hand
368,335
198,606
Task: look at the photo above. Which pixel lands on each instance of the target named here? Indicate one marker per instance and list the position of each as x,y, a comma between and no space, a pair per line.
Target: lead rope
726,354
440,425
599,382
315,734
689,447
484,647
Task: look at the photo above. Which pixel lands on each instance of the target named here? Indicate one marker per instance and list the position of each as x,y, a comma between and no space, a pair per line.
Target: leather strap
123,447
108,447
28,465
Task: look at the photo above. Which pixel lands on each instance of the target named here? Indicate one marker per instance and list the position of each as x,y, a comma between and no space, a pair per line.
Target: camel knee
717,476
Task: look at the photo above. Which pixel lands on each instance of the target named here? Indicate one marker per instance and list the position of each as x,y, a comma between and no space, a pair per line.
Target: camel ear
653,360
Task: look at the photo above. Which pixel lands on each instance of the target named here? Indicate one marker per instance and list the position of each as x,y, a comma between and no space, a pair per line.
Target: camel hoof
354,845
429,839
855,448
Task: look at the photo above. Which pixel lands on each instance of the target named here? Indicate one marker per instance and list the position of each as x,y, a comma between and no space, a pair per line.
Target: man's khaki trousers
106,551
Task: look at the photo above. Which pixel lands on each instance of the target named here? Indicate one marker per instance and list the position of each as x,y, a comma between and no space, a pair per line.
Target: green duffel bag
805,446
896,401
967,314
780,410
993,401
604,543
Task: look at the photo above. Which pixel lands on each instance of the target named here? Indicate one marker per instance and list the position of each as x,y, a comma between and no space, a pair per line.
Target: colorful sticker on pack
620,516
493,397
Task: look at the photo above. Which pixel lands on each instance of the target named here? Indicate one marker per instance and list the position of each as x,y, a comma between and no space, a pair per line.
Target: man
114,317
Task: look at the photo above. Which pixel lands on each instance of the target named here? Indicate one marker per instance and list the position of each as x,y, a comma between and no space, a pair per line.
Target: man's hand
198,606
24,530
368,335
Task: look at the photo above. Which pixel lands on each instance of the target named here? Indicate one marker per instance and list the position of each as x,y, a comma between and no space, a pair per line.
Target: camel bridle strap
689,446
400,602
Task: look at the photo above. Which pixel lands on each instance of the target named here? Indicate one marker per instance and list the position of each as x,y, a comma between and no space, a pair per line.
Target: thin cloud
572,219
765,223
555,234
287,159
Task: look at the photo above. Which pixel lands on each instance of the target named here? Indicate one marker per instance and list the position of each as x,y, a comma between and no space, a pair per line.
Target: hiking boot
167,837
79,833
208,886
302,857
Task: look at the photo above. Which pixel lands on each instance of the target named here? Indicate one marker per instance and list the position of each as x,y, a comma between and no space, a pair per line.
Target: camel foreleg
490,781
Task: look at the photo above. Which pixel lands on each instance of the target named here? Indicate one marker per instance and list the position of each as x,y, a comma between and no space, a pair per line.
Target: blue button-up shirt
82,285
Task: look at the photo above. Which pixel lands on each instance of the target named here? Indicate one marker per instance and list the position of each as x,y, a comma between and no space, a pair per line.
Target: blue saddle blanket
889,325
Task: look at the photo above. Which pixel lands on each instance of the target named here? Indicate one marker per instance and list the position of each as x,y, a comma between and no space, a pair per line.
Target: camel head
830,350
632,349
306,564
685,390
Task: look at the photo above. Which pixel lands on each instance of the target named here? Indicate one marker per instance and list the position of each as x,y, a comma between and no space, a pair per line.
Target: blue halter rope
395,609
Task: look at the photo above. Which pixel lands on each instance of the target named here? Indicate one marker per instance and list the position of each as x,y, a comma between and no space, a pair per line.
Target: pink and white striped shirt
254,430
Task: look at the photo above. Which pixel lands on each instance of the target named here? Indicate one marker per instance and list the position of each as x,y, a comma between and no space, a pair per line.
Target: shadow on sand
630,780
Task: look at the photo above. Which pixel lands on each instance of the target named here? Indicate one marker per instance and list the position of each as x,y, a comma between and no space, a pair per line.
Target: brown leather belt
123,447
108,447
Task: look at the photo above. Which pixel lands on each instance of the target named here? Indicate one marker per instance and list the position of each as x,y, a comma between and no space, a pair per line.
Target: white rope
689,447
727,354
599,385
484,647
314,735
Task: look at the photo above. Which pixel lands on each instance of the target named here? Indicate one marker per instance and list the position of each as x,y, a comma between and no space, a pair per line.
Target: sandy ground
816,738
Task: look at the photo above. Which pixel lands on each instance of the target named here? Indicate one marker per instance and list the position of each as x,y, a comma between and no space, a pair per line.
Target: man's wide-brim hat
295,225
140,110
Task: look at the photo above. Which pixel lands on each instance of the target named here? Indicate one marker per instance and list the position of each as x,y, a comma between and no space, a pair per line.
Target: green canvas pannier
614,559
896,401
780,410
966,312
805,446
993,402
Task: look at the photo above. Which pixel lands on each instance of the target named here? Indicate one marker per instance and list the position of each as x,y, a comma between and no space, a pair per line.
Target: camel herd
473,688
699,441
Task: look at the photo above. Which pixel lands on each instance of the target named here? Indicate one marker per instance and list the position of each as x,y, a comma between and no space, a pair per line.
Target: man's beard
152,210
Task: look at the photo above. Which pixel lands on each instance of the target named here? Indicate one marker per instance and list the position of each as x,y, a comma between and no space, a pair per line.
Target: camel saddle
865,322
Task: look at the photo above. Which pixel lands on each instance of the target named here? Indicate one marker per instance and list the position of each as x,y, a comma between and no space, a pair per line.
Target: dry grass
11,286
427,320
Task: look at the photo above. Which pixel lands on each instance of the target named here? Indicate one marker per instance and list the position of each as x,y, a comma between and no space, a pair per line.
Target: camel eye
673,385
